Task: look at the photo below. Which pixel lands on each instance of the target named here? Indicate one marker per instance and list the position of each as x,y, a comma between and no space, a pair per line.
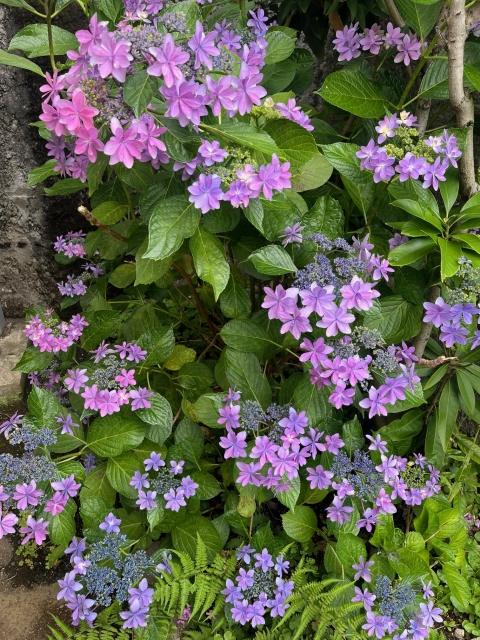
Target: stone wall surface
29,220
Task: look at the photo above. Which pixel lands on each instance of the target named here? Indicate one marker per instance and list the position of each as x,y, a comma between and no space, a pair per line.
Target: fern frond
201,554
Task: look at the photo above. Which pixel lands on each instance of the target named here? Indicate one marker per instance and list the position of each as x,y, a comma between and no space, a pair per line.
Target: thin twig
86,214
434,363
420,341
397,19
209,346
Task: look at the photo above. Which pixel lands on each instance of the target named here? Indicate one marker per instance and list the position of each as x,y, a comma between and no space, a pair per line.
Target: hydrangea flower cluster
87,101
71,246
333,291
271,110
350,43
371,487
113,383
283,442
77,285
106,583
407,156
50,335
28,499
260,587
395,606
165,483
457,319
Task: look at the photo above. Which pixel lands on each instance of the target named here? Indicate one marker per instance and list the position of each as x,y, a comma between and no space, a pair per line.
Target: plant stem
418,68
86,214
394,13
420,341
48,16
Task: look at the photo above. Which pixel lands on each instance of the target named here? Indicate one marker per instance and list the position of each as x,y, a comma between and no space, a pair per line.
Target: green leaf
352,435
65,187
312,175
290,496
416,209
138,177
245,135
110,8
155,515
296,144
449,188
399,320
120,471
122,276
148,270
138,91
325,217
33,360
62,526
184,536
112,435
195,375
435,81
442,423
457,584
469,239
95,172
307,397
179,356
159,416
39,174
245,335
450,253
407,427
101,325
273,260
206,409
421,17
301,524
243,373
349,550
209,259
332,563
358,183
17,3
208,486
33,40
353,92
190,436
234,300
97,485
411,251
276,77
159,344
279,47
43,407
466,390
110,212
93,510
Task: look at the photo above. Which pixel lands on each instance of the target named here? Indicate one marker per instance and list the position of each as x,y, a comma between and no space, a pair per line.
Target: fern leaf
201,554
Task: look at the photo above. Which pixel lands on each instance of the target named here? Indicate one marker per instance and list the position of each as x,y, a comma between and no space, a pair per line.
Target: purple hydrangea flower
206,193
363,569
111,524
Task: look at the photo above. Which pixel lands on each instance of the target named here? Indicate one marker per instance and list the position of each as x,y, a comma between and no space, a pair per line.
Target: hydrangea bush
246,419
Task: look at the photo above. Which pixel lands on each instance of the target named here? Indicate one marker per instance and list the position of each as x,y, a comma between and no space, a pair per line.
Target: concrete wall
29,221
